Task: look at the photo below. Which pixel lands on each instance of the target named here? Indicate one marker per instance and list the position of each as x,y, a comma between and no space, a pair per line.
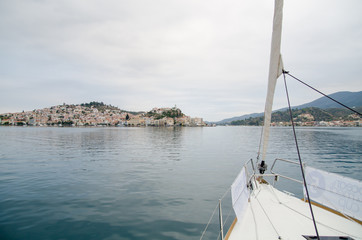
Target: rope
271,223
339,194
340,211
261,138
275,195
223,196
285,72
213,213
293,209
207,225
334,207
320,223
300,159
227,217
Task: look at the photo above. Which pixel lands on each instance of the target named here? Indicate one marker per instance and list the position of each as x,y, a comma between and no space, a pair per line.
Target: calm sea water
143,183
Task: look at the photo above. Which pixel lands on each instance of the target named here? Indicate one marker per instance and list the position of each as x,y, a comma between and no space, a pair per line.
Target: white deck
271,213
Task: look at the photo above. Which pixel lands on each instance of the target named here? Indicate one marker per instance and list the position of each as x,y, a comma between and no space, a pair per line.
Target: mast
275,70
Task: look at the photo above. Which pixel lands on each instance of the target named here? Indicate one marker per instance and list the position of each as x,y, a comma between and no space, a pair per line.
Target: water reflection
136,183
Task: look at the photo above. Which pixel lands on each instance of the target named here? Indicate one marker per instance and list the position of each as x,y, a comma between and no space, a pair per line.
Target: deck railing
251,176
283,176
221,220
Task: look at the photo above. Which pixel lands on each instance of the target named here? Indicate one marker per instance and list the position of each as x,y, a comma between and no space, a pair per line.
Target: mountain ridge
350,99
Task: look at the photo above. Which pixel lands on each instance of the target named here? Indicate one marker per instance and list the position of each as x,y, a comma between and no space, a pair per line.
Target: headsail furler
275,70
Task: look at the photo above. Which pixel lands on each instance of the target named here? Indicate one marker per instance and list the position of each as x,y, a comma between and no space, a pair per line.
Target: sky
209,58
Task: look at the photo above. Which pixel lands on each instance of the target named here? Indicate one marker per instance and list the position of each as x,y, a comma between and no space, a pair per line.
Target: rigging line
207,225
275,195
261,138
334,207
223,196
321,223
300,159
227,217
336,193
225,221
271,222
285,72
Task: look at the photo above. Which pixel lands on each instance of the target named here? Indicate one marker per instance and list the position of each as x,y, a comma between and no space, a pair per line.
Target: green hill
304,115
351,99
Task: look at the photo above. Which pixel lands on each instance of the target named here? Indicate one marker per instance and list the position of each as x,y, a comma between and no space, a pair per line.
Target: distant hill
243,117
304,115
350,99
103,107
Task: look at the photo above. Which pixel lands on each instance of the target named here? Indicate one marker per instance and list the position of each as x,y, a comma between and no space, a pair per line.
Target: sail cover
240,194
334,191
275,70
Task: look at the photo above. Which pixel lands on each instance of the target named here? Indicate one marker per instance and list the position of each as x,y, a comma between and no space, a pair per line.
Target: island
99,114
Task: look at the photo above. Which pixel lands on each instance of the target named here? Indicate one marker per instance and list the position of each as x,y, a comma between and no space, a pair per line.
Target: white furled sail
275,70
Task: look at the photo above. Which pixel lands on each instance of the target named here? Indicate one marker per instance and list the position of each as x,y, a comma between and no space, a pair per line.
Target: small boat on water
332,204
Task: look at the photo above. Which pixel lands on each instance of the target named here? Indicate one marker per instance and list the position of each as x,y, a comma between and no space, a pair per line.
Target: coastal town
336,123
99,114
306,120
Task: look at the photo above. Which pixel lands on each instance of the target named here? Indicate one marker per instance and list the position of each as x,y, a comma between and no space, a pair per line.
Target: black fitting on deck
262,167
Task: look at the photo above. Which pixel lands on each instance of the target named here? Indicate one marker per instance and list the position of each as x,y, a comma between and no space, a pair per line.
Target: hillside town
339,123
98,114
306,120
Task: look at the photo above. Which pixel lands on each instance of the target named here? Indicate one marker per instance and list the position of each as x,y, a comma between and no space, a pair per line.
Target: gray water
143,183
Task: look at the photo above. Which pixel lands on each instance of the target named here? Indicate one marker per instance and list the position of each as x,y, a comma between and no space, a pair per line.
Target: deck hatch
328,237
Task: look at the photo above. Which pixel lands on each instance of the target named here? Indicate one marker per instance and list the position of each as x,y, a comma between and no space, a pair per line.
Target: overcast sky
210,58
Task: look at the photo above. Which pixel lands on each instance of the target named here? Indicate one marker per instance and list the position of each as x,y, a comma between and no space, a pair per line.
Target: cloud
210,58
